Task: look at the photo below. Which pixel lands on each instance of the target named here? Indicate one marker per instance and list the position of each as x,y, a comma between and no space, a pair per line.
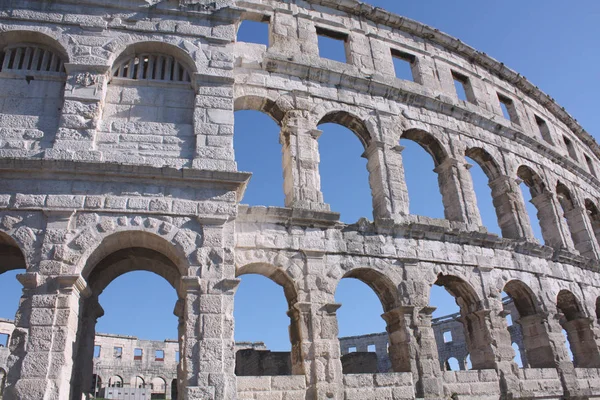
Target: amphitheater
116,155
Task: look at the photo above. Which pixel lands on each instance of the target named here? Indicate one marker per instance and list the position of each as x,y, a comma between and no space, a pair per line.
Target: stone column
386,178
586,353
479,339
301,179
582,232
413,348
321,350
84,367
213,122
512,215
457,191
85,92
536,343
554,229
52,308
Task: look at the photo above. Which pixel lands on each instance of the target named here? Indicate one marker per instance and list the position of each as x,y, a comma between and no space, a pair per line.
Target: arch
11,255
564,196
138,382
159,385
262,104
277,275
580,335
130,239
533,181
594,217
350,121
487,163
522,296
34,37
159,48
452,364
428,142
465,295
383,286
569,305
115,381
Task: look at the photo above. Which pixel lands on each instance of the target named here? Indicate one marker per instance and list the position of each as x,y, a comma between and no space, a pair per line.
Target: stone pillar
562,361
301,179
85,92
457,191
321,350
554,229
386,178
479,339
413,348
52,307
536,343
582,232
586,353
84,367
213,122
512,215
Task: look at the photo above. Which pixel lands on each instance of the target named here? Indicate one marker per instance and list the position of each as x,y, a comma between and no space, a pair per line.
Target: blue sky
553,43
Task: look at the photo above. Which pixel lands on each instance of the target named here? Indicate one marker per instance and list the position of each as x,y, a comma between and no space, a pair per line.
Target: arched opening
32,87
267,333
574,220
366,294
447,328
578,331
344,166
490,198
594,216
533,189
452,364
96,385
256,142
159,388
424,184
528,330
476,336
132,279
518,355
149,106
174,389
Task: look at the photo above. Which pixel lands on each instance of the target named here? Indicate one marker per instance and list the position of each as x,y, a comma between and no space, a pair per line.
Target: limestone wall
103,173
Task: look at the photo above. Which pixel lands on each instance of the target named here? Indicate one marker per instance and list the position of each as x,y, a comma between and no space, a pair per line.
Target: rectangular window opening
332,45
509,320
371,348
508,109
4,338
590,164
97,349
570,148
159,355
118,352
464,90
447,337
404,65
177,356
544,130
351,349
137,354
253,31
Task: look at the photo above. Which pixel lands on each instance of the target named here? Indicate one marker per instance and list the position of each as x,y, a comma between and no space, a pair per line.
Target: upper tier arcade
116,155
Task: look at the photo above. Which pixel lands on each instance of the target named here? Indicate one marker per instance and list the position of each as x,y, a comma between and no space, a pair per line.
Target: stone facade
116,132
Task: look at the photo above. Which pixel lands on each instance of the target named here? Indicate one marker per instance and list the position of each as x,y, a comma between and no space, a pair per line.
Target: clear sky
552,42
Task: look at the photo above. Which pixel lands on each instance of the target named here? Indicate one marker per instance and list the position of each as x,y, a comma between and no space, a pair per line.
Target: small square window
590,165
159,355
509,320
4,339
251,31
332,45
351,349
405,65
371,348
508,109
570,148
97,349
447,337
118,352
138,354
177,356
462,85
544,129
